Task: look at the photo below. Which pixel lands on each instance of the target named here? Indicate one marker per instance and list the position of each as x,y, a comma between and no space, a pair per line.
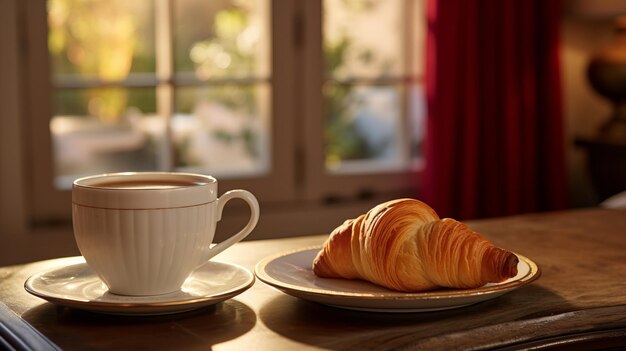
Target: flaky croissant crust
403,245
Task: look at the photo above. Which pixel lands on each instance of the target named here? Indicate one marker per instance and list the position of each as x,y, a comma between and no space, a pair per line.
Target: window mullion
406,110
164,71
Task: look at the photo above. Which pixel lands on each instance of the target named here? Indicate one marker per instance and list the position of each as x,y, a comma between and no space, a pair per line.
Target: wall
17,242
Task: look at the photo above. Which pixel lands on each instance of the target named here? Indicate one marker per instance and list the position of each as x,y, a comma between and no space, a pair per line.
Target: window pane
364,38
104,130
223,38
101,39
417,124
222,130
363,124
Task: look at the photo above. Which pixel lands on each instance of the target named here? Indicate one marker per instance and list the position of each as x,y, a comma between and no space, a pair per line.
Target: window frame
297,172
277,185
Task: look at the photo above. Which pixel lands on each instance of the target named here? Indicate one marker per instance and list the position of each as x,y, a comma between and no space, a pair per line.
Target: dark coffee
146,184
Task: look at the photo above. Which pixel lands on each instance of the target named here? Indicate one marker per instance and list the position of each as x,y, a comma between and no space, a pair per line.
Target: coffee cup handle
254,218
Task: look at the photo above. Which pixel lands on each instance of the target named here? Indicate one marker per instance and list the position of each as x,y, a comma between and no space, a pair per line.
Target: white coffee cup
145,233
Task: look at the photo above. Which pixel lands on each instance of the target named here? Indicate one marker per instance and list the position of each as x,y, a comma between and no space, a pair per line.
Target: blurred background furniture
606,151
606,162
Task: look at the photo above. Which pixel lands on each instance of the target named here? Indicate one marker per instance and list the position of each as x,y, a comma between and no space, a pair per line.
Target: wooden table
580,298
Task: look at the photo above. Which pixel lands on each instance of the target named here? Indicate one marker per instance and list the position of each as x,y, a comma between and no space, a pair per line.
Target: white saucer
76,285
291,273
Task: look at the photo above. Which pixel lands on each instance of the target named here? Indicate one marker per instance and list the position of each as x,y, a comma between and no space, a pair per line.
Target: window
372,81
131,95
295,101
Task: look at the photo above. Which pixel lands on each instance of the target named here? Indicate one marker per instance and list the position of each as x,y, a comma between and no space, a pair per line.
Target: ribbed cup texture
144,252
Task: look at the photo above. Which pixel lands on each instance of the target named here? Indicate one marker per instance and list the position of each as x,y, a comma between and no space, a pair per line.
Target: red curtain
494,142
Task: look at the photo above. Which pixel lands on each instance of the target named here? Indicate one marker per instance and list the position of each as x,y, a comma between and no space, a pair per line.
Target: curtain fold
494,142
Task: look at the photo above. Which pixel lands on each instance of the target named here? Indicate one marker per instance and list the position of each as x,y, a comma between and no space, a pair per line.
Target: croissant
403,245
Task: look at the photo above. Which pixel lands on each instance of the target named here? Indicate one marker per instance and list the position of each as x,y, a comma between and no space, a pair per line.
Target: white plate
76,285
291,273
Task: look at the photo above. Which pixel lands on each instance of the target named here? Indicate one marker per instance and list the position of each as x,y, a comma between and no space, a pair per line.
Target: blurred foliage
99,39
110,39
231,52
240,99
235,97
345,100
334,55
343,141
76,102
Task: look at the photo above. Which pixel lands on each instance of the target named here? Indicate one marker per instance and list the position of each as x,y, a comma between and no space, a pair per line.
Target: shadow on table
336,328
199,329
